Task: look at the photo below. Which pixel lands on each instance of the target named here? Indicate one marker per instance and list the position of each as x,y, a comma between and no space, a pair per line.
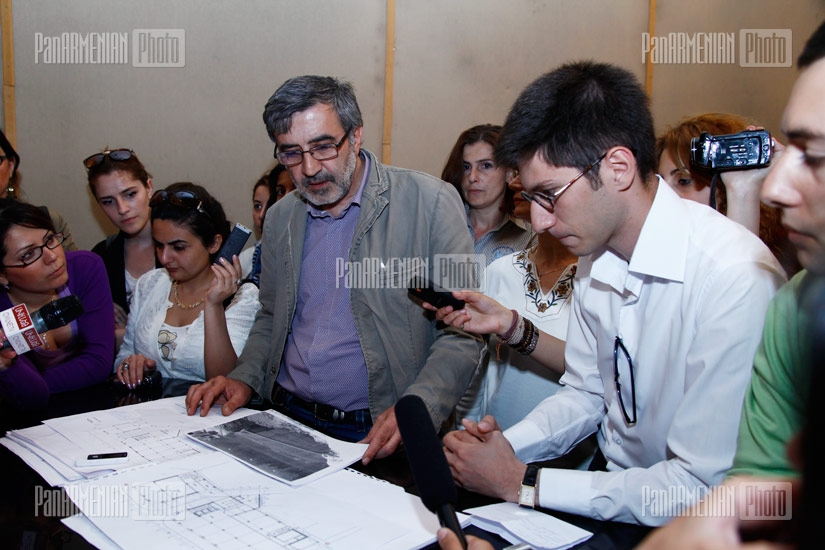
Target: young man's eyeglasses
119,155
548,200
180,199
52,241
4,158
325,151
618,346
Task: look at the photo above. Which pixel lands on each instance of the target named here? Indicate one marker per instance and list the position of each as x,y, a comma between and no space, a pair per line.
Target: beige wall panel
458,63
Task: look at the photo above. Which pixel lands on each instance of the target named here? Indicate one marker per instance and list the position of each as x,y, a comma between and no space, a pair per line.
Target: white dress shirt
689,308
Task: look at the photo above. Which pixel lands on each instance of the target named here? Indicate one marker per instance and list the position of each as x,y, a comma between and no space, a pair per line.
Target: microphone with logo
22,329
427,462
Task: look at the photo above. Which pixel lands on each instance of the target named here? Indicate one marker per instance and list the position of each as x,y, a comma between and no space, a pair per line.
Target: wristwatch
528,493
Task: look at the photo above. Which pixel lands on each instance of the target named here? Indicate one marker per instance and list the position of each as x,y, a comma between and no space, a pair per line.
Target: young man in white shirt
669,301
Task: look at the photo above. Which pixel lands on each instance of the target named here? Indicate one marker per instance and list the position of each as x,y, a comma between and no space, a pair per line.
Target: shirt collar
660,251
509,218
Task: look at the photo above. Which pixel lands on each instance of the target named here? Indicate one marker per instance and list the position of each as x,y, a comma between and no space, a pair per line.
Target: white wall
458,63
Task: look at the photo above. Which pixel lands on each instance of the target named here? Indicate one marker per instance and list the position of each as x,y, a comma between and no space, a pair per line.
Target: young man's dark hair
584,109
814,49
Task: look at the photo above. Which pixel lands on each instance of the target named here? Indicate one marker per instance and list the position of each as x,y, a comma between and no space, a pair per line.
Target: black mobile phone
234,243
436,297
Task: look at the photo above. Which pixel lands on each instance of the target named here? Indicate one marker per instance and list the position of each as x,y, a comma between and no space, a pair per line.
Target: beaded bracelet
531,338
518,333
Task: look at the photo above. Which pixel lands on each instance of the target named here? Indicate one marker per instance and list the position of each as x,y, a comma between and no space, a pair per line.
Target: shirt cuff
526,438
566,490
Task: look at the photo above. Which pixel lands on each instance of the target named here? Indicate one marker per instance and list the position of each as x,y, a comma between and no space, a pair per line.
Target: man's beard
333,193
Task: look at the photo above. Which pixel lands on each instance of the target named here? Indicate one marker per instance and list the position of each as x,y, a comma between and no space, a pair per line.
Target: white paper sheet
229,505
517,524
30,457
81,525
151,432
206,498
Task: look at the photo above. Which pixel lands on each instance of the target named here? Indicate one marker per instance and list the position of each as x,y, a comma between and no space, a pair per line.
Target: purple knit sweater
86,360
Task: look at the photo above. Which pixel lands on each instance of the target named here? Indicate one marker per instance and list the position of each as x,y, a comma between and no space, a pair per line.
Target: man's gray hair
302,92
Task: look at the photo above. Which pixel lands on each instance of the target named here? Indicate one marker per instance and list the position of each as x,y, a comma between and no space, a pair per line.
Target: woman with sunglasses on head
122,188
180,321
35,270
10,187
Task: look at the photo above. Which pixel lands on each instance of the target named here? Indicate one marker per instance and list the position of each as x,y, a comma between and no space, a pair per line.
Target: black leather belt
321,412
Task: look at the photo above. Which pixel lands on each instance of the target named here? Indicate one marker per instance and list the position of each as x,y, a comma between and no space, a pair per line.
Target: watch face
527,496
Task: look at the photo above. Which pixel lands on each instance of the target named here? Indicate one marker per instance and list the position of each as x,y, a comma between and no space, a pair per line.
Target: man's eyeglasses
52,241
618,345
548,200
180,199
117,154
325,151
4,158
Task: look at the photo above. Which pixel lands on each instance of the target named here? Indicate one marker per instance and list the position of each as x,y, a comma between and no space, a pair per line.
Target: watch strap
530,475
528,494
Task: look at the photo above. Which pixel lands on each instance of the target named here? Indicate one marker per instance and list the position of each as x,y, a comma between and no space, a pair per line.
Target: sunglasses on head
117,154
180,199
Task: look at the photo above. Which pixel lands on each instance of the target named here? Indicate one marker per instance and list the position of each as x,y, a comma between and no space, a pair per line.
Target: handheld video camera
741,151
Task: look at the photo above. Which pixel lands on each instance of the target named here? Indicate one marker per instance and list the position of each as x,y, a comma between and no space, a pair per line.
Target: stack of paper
524,525
177,493
151,433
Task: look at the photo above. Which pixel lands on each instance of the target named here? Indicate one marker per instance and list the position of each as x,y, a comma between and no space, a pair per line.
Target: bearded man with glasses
333,354
668,304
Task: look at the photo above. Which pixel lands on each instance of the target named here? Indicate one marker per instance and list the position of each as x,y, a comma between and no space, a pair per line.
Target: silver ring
462,326
238,282
124,366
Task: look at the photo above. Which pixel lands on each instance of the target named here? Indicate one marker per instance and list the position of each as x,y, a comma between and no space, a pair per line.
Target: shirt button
617,440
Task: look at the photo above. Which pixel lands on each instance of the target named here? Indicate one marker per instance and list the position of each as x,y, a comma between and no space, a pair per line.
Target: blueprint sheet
216,502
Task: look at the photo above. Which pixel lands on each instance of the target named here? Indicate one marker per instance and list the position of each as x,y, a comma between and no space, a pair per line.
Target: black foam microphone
53,315
427,462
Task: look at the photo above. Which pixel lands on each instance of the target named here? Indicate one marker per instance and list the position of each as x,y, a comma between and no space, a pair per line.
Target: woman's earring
511,174
5,285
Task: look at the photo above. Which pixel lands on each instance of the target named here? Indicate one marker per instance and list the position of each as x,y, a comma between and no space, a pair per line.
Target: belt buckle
323,412
328,413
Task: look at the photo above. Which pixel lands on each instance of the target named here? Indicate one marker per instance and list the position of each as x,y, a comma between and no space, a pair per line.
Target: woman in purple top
34,270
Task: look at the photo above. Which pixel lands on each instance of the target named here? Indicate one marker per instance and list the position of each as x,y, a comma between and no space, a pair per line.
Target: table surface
21,528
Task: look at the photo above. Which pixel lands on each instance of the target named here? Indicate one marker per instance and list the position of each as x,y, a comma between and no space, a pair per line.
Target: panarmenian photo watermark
143,47
450,272
138,501
755,47
751,500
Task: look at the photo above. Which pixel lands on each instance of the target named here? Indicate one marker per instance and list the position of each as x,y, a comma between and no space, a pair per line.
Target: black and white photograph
280,447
